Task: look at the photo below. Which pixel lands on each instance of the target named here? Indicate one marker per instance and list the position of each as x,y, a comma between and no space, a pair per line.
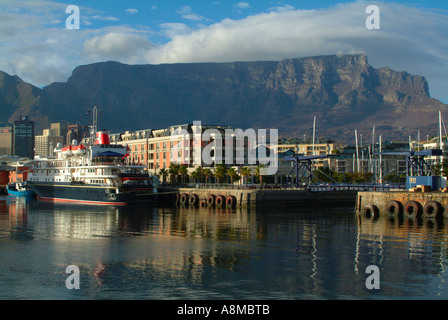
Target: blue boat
19,190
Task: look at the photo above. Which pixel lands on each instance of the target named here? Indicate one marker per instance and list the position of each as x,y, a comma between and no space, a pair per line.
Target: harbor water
155,253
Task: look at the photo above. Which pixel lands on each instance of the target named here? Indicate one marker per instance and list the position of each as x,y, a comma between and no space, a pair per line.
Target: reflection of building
23,141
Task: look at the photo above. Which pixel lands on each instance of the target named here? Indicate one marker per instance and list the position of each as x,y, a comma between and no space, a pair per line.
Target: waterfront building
6,140
23,138
389,160
434,144
306,147
187,145
138,143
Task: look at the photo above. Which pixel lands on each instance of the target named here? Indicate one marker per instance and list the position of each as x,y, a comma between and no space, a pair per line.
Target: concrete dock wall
254,197
411,204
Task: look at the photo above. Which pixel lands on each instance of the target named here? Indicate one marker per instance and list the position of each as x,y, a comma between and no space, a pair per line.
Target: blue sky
35,44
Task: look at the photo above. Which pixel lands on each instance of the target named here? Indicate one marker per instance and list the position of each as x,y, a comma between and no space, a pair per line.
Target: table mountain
344,92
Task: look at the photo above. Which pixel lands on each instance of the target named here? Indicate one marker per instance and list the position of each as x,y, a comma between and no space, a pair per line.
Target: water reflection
418,236
143,252
407,249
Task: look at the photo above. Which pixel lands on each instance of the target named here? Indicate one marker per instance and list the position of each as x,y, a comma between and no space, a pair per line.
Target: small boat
19,190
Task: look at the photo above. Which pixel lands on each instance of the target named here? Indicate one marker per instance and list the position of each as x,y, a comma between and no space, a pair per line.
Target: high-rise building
47,142
6,140
77,132
23,141
60,129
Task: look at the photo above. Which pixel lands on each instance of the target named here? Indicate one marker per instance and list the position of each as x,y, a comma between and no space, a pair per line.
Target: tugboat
92,174
19,189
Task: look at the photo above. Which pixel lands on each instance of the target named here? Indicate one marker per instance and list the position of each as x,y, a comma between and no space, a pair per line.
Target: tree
197,173
245,172
220,171
207,173
182,171
231,172
174,171
258,173
163,173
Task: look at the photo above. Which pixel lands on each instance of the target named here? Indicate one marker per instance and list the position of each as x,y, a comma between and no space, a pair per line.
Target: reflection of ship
94,174
19,190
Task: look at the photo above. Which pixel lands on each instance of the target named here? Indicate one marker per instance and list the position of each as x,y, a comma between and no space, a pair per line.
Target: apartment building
45,143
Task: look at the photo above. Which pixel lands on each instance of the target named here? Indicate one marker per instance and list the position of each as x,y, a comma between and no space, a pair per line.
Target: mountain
344,93
17,97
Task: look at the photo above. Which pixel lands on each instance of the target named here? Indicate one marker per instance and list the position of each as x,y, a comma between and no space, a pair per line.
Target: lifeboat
67,151
79,150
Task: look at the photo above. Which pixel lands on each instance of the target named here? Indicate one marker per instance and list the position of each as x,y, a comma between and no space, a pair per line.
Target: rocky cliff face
344,92
16,96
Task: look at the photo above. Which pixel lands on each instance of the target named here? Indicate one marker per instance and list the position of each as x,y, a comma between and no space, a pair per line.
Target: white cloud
36,46
131,11
410,39
171,30
242,5
187,14
119,44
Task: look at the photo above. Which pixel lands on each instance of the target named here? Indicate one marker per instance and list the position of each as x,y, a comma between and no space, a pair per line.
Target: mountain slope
344,92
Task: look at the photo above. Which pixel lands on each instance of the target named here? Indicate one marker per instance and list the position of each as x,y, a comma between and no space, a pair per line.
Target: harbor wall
433,204
256,197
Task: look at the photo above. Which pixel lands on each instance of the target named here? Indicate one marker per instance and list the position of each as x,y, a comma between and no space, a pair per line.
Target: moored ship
95,174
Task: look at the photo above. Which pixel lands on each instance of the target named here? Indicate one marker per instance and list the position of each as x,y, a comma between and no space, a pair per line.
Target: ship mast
94,126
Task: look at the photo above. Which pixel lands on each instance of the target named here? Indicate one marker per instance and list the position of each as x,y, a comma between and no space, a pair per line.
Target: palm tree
220,171
245,172
197,173
207,173
163,173
174,171
182,171
231,172
258,173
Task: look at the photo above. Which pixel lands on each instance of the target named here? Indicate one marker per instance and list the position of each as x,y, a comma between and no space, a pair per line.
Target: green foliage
234,176
220,171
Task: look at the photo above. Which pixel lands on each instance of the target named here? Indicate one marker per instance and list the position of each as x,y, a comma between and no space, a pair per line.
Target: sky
38,43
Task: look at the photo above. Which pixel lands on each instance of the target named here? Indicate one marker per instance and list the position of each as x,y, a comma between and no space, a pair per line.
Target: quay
240,198
410,204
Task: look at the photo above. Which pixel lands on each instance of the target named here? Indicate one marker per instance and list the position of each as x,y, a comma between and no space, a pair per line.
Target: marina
184,253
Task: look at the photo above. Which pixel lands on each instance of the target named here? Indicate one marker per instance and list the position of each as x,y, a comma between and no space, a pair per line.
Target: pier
412,204
239,198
